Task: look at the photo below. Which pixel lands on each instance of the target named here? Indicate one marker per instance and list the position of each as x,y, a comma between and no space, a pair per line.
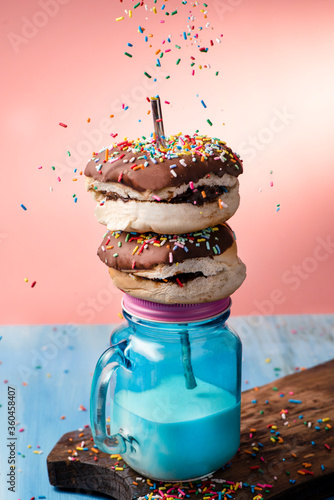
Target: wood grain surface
286,450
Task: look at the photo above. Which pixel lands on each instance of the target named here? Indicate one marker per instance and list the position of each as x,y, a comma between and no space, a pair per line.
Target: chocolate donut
186,268
190,184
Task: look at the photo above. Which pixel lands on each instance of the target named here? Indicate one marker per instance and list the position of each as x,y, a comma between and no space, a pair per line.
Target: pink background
65,62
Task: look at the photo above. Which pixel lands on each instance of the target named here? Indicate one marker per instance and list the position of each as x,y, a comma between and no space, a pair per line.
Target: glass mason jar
175,377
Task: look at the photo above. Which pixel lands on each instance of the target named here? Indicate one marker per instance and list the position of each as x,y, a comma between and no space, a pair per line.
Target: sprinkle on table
62,124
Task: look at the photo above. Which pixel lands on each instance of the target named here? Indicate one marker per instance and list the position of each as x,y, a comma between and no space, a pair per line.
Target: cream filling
208,266
97,187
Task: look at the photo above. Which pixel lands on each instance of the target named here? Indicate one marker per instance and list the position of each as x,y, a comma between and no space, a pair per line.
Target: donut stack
166,210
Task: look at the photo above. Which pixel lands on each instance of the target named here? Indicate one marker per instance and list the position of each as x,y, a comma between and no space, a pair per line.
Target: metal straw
185,342
157,121
186,361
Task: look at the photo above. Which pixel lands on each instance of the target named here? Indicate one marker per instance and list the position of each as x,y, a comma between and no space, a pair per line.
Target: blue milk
175,387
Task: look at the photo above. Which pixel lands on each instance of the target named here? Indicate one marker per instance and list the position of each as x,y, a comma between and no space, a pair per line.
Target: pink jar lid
174,313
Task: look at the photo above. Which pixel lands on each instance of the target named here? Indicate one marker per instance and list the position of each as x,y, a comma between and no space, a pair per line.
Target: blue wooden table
50,368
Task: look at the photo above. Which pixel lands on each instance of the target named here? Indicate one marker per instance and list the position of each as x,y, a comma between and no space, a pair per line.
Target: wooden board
274,462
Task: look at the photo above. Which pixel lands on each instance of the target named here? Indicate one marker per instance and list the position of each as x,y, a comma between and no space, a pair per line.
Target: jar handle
106,366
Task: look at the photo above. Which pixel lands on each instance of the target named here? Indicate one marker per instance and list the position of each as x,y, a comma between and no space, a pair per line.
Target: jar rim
174,313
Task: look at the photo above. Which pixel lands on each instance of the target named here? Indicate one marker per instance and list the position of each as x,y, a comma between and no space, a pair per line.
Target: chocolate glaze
158,176
221,239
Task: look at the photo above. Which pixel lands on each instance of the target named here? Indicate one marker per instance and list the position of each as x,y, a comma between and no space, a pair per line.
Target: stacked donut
166,210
